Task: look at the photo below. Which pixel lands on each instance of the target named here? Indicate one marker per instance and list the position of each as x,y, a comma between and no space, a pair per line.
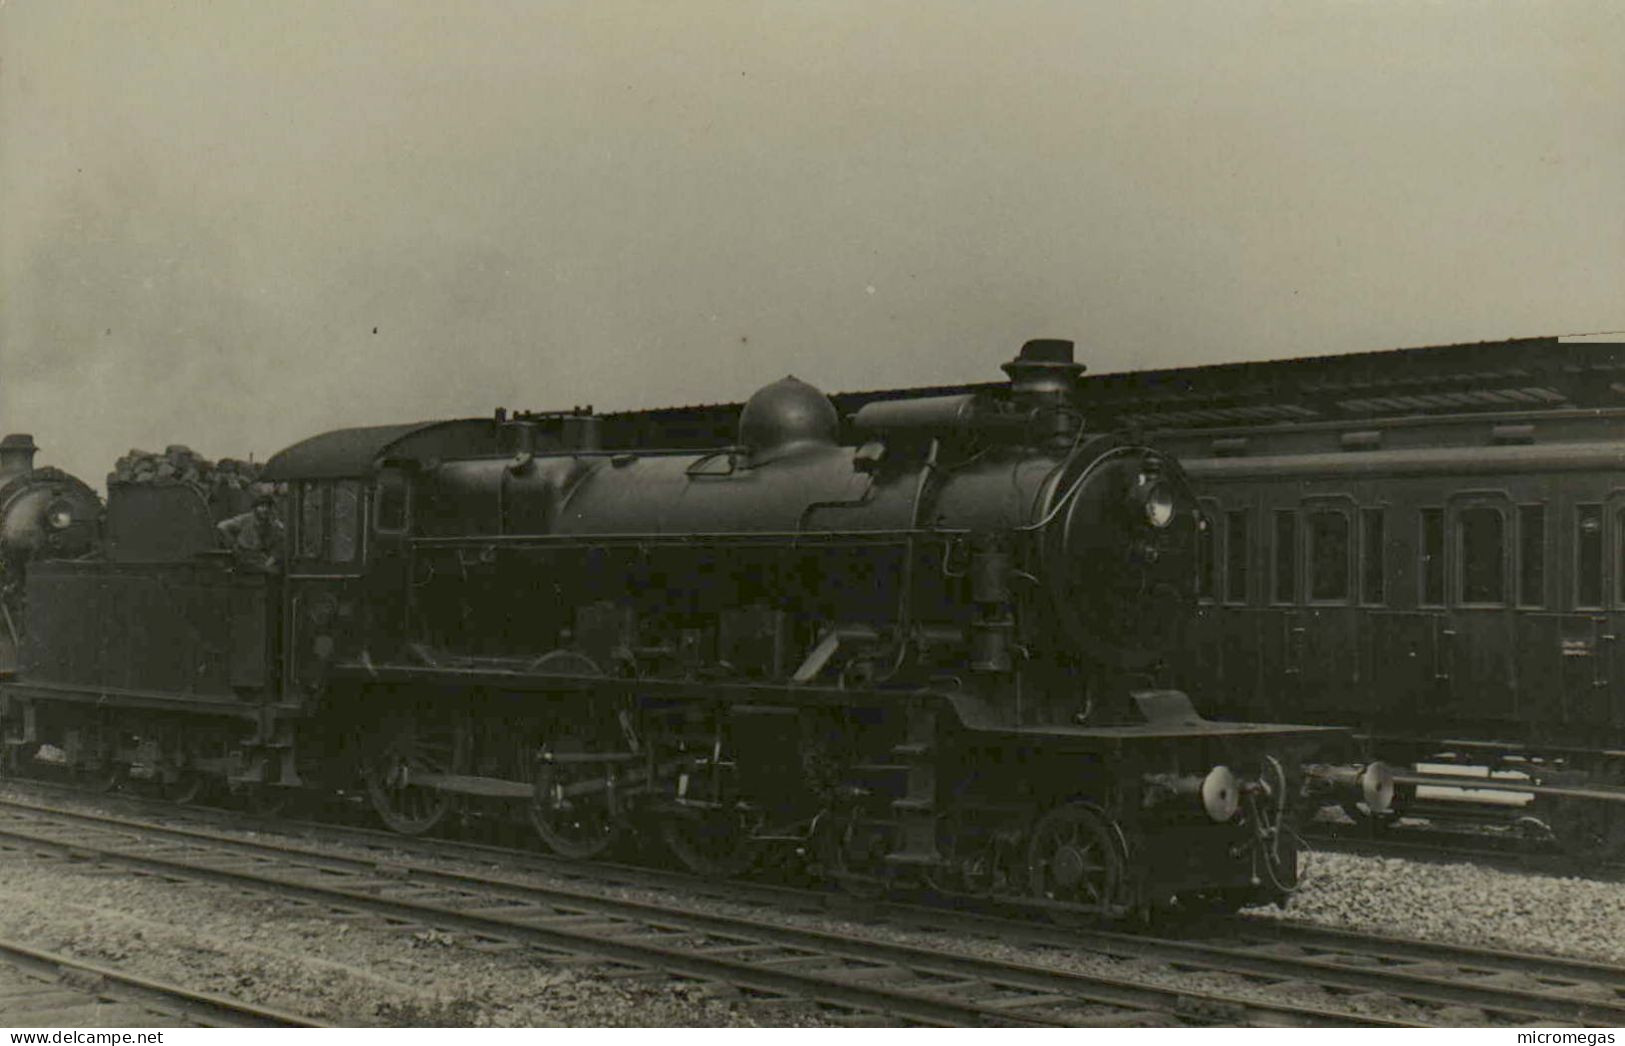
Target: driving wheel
416,745
1074,859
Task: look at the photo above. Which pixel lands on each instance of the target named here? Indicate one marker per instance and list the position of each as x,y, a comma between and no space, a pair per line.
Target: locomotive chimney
17,453
1044,370
1044,379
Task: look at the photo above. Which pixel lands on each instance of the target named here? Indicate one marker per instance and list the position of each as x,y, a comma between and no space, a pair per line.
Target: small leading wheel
1073,858
712,843
414,747
571,811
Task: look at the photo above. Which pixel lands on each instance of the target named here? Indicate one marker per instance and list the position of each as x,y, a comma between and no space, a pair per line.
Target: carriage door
1328,648
1480,637
1280,628
324,578
1402,583
1585,639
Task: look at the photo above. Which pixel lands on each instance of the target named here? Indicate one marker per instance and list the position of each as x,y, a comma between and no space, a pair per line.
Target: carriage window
1532,555
346,519
1433,556
312,514
389,503
1588,556
1373,578
1286,556
1235,556
1482,532
1206,565
1328,555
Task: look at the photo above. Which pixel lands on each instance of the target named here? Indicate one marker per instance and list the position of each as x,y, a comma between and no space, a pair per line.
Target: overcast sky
235,224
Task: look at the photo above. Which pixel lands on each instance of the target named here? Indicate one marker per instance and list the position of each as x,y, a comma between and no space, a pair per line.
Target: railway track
45,990
1430,984
774,962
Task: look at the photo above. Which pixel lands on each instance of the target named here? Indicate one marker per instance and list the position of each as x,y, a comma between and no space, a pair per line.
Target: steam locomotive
923,644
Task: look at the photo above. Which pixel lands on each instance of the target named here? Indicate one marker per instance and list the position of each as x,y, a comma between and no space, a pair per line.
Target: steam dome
785,414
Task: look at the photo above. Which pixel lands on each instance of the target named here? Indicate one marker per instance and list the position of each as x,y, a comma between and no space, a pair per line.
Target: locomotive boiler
924,643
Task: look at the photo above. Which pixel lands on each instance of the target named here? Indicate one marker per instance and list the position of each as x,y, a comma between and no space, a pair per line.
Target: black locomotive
927,644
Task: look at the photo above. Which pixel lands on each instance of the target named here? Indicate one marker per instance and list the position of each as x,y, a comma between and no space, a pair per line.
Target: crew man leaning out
257,536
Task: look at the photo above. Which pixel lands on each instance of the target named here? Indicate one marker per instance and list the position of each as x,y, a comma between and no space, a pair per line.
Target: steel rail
96,982
1410,949
1423,972
640,934
1424,982
605,936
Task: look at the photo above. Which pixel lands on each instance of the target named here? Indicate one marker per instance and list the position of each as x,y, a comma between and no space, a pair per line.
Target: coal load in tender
228,485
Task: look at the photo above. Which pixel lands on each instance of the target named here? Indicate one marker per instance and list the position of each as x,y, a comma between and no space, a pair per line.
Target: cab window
346,520
312,519
389,503
329,522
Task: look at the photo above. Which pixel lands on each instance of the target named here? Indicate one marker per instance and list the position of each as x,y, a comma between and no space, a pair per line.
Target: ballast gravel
1463,904
361,972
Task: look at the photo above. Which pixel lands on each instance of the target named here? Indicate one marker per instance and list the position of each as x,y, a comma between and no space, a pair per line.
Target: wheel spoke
1073,858
408,808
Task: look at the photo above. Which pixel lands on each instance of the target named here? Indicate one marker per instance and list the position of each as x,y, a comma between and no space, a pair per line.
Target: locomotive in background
44,513
935,651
